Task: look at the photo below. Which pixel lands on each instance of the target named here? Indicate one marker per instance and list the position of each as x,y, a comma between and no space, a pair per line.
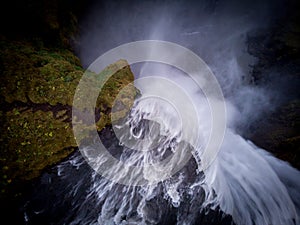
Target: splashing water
245,183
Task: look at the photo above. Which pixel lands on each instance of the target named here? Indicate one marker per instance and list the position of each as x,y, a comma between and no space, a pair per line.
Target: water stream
243,185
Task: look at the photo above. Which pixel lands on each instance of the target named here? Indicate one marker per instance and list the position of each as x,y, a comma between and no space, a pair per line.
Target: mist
244,181
217,31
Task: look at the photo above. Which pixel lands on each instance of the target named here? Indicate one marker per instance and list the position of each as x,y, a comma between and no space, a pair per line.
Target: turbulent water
243,184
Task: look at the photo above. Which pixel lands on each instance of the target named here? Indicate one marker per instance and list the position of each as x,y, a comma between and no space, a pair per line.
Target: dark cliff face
52,23
278,69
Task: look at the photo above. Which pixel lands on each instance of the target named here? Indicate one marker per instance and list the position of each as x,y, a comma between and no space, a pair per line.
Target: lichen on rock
37,87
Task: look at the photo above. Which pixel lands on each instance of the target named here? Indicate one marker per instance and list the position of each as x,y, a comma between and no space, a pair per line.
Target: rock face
37,86
278,53
279,133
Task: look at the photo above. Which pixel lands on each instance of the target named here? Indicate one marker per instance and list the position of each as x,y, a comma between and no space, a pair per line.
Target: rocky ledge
37,86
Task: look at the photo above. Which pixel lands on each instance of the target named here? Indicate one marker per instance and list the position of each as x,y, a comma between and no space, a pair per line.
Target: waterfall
244,183
162,175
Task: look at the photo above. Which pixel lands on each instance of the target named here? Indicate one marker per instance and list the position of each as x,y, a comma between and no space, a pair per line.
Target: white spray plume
244,181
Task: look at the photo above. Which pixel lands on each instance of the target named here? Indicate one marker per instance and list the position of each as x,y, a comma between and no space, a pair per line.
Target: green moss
34,140
116,78
120,82
42,75
37,86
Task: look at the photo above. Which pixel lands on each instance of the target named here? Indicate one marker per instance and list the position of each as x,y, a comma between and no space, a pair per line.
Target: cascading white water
243,181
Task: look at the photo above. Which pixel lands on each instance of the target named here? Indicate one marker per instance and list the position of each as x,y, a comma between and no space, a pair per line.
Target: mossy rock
114,101
37,86
33,141
38,75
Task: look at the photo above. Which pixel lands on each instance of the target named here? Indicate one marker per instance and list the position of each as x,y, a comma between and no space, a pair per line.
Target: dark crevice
45,107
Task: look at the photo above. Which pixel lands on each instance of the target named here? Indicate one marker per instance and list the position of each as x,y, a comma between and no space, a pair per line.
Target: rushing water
244,184
244,181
